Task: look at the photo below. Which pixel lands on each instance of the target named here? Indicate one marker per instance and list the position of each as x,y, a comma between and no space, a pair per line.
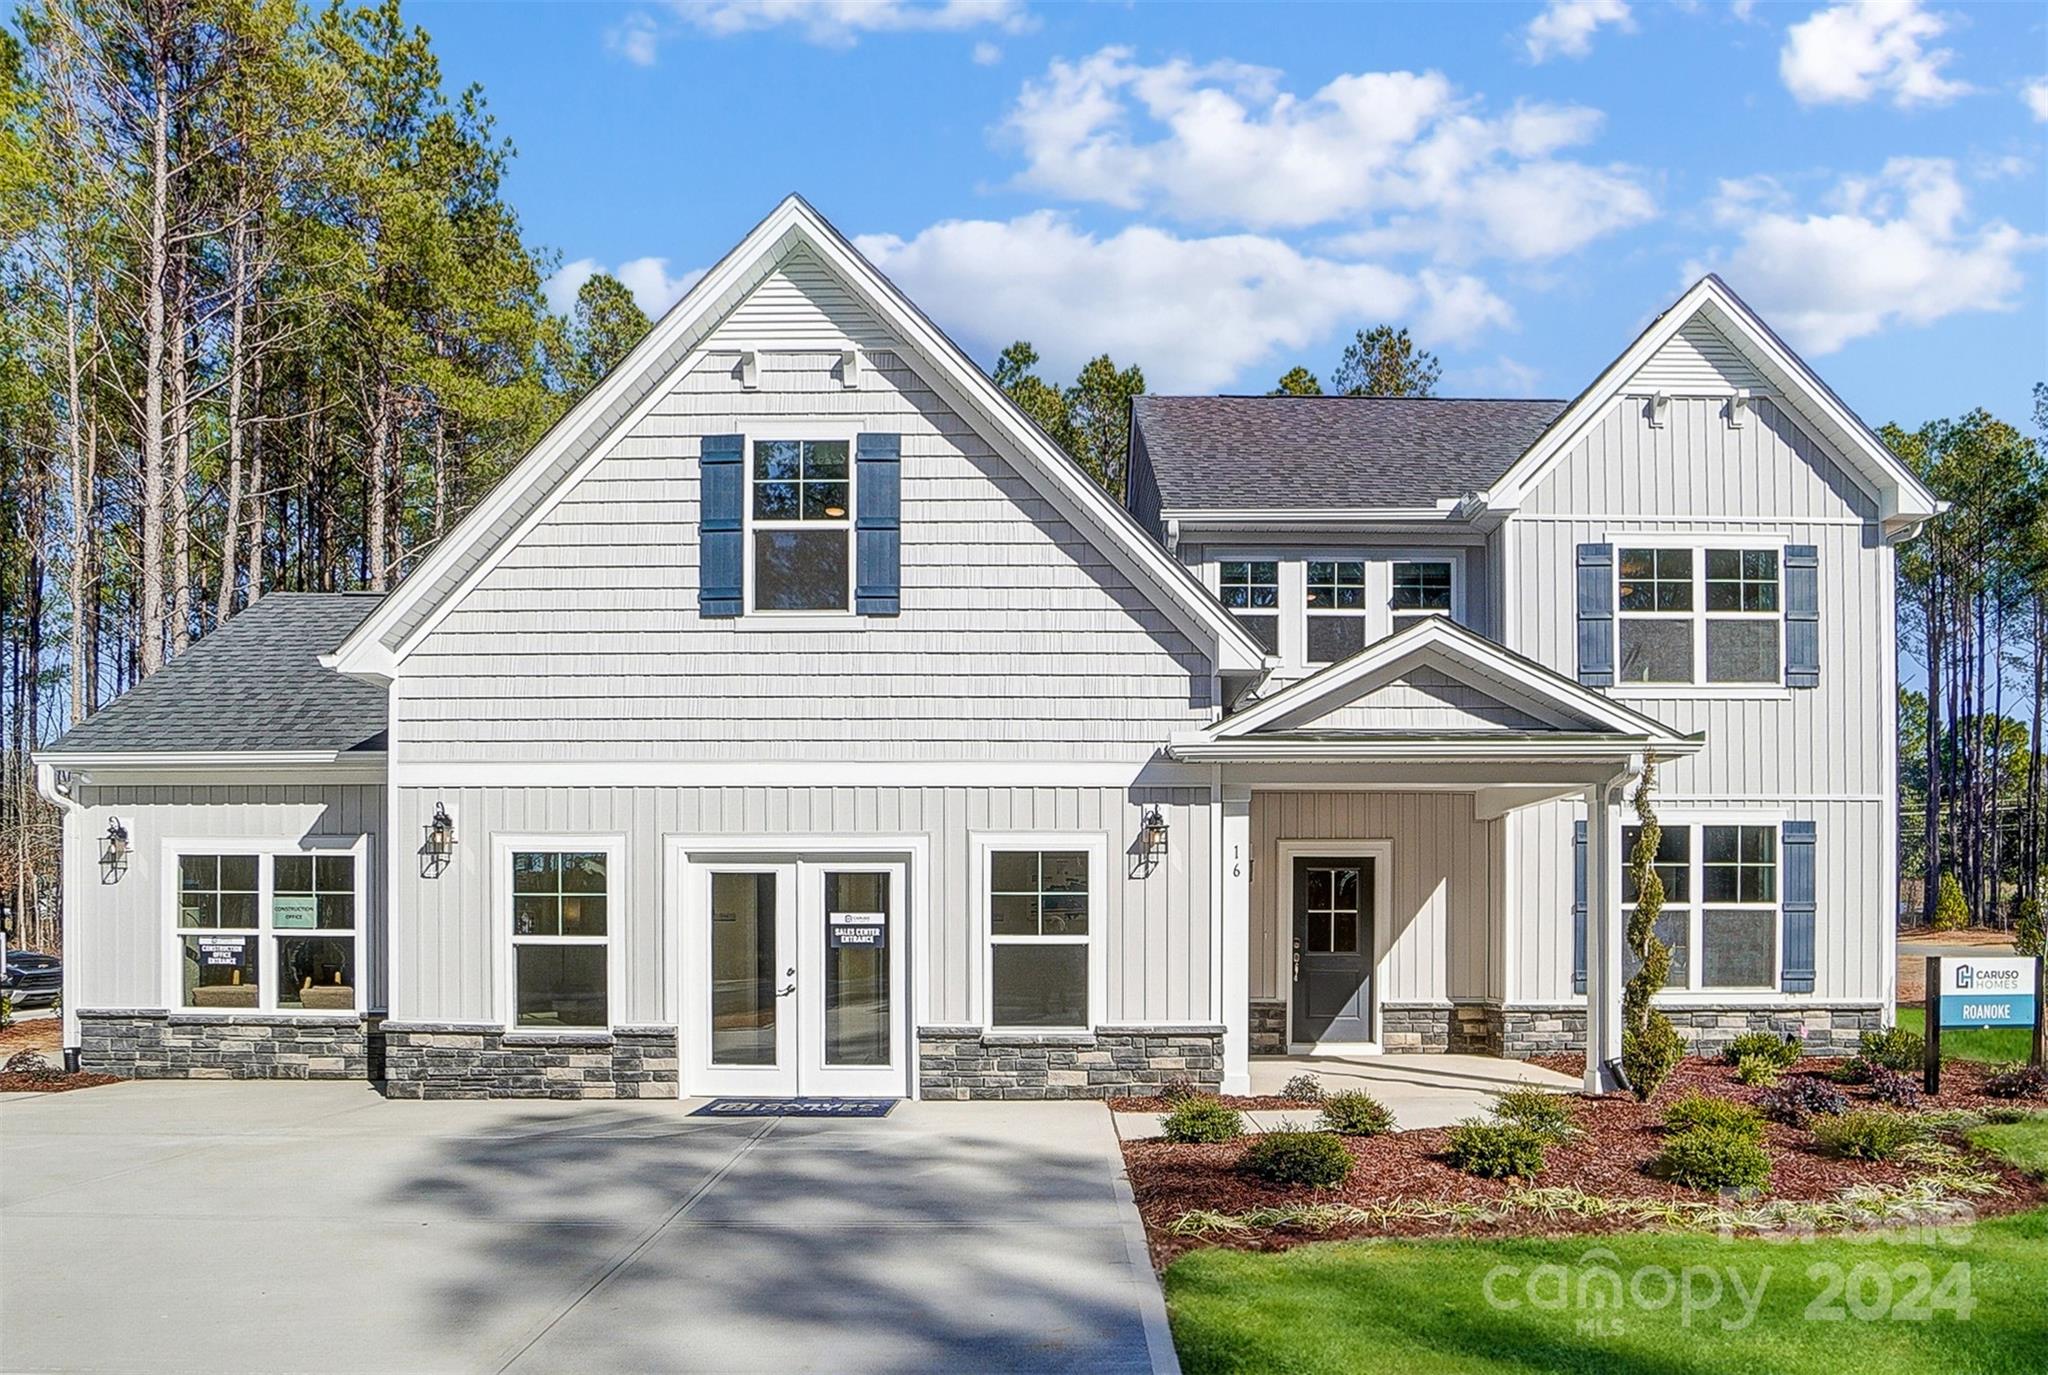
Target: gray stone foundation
1268,1027
1824,1029
1415,1027
154,1044
1476,1029
469,1060
968,1062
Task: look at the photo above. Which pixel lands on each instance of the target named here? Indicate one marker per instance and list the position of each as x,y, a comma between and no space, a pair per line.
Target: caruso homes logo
1977,978
1991,991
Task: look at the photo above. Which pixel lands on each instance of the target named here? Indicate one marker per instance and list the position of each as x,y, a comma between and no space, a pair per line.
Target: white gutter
370,762
67,805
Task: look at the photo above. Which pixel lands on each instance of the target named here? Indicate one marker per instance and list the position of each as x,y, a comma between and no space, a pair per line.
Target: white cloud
2036,96
1193,312
1504,376
1566,27
987,54
1848,53
637,38
829,23
647,278
1893,249
1399,157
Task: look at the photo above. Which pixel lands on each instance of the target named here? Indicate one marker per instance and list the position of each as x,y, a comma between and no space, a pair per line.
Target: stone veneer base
1518,1032
143,1043
970,1063
469,1060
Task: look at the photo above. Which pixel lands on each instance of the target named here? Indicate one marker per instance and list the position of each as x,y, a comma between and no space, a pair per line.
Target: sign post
1967,991
1930,1064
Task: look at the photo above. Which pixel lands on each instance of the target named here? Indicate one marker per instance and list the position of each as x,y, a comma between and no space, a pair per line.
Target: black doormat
796,1107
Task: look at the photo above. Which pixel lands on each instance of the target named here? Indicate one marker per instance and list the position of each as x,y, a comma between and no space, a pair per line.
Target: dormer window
1421,587
1251,589
802,525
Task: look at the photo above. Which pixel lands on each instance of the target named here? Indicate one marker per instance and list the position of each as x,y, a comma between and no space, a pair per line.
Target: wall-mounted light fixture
438,845
114,851
1152,831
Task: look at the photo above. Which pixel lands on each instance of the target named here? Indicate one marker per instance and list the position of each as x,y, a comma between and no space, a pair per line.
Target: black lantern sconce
114,851
1150,846
439,846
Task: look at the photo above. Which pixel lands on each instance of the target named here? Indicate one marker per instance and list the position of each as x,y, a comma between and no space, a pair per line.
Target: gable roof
1235,453
580,438
255,685
1903,500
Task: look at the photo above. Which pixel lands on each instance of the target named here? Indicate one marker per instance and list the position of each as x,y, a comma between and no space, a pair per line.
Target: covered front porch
1371,893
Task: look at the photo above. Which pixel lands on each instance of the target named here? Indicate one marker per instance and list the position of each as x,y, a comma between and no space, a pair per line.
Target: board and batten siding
123,934
1439,942
1153,929
1821,754
1018,638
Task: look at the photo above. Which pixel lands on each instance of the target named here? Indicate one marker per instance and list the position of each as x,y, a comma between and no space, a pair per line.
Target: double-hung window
1251,589
1040,909
1721,903
802,524
1336,609
560,918
1699,616
269,931
1421,587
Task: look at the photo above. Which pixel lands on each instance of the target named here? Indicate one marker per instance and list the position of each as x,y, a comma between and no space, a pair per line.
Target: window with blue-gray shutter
721,486
878,537
1797,854
1578,907
1596,614
1802,616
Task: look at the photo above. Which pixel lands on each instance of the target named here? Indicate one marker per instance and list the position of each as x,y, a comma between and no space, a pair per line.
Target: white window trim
1371,597
822,617
1379,850
1699,686
1096,845
266,849
1454,557
617,892
1281,583
1293,561
1694,991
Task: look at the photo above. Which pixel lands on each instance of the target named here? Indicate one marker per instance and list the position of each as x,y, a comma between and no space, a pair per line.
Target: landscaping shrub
1893,1048
30,1064
1893,1089
1297,1157
1203,1121
1951,909
1757,1069
1803,1098
1303,1088
2029,934
1356,1113
1866,1135
1648,1056
1699,1111
1781,1051
1855,1070
1550,1115
2017,1081
1714,1158
1178,1088
1495,1150
6,1010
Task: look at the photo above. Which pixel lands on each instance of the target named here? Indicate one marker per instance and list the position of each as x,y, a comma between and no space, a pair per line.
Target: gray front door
1332,950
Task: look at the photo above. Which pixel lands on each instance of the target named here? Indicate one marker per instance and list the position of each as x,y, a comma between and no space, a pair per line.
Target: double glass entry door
803,978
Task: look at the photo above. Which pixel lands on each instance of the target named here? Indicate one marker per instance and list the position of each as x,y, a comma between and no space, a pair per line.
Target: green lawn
2024,1143
1990,1045
1418,1307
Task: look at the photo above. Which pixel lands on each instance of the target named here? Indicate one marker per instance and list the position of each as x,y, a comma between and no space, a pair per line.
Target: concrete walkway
319,1227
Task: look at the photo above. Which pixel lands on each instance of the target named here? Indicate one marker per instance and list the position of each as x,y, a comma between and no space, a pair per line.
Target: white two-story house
797,719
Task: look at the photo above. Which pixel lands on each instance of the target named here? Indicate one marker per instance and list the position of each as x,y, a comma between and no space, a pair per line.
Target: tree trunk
181,458
254,578
1931,870
231,522
378,498
156,267
2030,850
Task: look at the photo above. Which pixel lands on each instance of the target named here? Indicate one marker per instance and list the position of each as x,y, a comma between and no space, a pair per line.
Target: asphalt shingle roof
254,684
1310,452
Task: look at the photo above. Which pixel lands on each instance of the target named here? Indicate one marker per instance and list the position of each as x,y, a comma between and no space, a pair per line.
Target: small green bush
1648,1056
1699,1111
1203,1121
1951,909
1303,1088
1714,1158
1550,1115
2029,933
1894,1048
1296,1157
1781,1051
1356,1113
2017,1081
6,1010
1866,1134
1495,1150
1757,1071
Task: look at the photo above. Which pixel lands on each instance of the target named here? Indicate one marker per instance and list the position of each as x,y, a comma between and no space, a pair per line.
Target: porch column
1235,986
1603,936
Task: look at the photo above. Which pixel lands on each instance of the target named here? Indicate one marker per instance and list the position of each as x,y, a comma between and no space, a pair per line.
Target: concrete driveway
319,1227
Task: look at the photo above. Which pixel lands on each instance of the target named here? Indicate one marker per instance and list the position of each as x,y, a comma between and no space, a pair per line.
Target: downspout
67,806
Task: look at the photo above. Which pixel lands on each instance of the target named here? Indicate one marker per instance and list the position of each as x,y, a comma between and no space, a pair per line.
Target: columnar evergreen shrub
1951,909
1650,1046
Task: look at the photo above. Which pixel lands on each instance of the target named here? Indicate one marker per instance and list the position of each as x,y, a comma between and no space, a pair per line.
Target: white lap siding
1153,928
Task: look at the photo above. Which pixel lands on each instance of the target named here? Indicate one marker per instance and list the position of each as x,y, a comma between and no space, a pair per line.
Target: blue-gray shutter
1796,858
1578,907
721,496
878,534
1802,616
1596,615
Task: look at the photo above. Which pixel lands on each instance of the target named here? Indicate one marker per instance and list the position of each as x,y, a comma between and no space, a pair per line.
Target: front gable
1422,694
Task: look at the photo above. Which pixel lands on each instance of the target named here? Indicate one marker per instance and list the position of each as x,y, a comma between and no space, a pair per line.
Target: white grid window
268,931
1039,905
1251,589
560,916
1721,915
1699,616
1335,596
1421,587
801,524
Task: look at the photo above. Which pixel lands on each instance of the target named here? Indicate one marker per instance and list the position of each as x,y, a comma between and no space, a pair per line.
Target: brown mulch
1962,1081
53,1083
1244,1102
1619,1138
33,1033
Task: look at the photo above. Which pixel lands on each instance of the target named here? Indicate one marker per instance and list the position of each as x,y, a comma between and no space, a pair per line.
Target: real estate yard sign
1969,991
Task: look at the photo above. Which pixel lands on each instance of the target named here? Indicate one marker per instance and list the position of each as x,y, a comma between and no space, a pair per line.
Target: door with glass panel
747,978
850,980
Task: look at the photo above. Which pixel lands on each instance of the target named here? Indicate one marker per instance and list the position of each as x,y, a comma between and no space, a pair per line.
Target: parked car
32,979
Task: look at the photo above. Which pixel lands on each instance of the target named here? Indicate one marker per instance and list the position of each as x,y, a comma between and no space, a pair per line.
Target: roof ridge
1339,396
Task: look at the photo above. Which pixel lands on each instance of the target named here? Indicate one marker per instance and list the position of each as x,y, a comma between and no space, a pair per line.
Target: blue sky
1216,192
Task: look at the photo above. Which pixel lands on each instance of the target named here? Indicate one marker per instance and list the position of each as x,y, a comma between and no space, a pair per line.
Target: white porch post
1603,937
1236,930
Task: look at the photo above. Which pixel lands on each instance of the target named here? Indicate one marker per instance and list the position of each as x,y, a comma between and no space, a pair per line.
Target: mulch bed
1962,1082
54,1083
1246,1103
1618,1140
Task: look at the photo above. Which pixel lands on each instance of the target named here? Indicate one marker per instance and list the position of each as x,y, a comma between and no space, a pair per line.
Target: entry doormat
796,1107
